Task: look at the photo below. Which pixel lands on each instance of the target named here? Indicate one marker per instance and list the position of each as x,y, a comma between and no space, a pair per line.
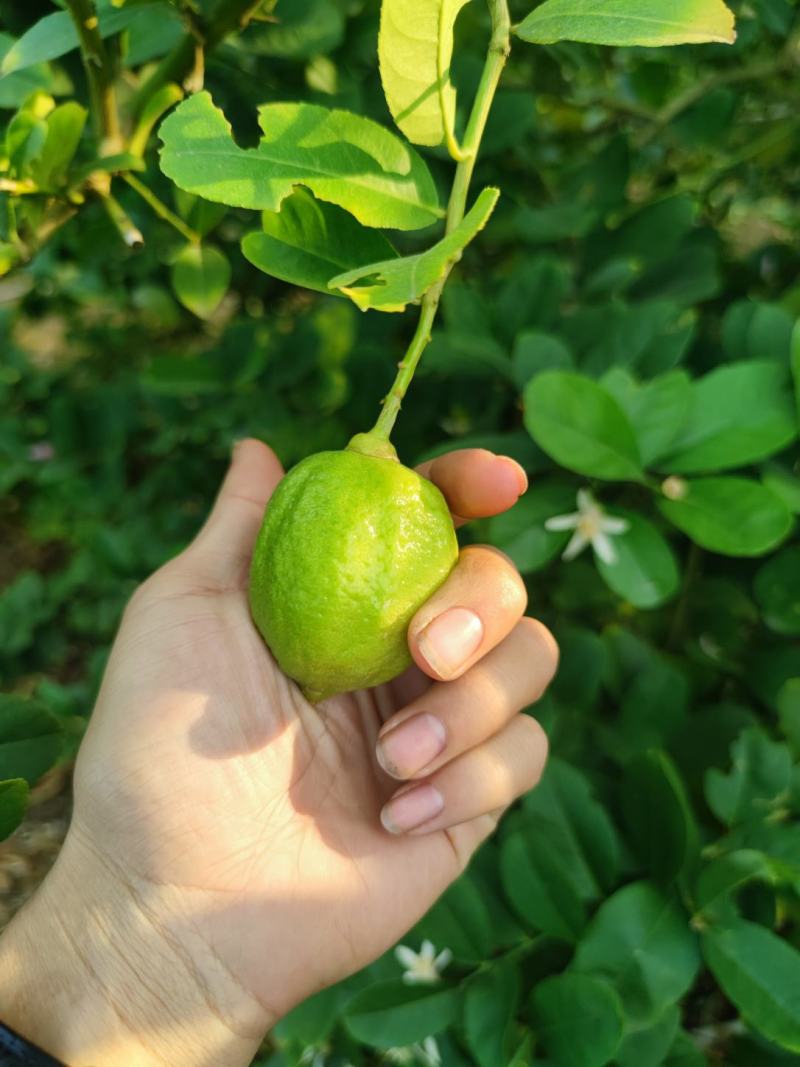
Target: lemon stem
499,48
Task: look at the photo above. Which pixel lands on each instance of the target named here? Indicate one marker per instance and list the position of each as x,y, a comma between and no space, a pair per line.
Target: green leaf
659,815
757,783
16,88
55,35
200,277
520,532
760,974
536,351
657,410
541,886
777,589
459,920
753,329
579,1020
738,414
685,1053
732,516
648,1047
641,941
341,157
796,366
629,22
564,810
30,739
312,1020
392,1013
415,47
13,802
490,1004
308,242
299,29
645,572
726,876
392,284
789,711
64,129
579,424
783,484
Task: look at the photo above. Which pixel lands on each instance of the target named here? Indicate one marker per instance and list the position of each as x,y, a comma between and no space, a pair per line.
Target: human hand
233,848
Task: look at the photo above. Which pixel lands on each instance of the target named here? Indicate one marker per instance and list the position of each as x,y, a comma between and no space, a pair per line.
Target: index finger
476,483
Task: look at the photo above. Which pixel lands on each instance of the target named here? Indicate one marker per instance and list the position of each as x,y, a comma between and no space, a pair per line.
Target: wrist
99,970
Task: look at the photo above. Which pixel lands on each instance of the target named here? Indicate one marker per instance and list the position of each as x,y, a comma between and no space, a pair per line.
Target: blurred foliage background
649,225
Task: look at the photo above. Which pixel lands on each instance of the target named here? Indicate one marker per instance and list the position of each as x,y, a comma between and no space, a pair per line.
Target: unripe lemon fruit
352,544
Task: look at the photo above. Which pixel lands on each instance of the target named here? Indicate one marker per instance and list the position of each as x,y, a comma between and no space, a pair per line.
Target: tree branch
98,66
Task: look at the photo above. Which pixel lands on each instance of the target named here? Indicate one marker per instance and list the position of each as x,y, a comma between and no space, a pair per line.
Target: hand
233,849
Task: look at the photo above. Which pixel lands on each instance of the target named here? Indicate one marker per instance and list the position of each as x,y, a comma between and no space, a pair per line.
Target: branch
97,64
694,94
499,48
228,16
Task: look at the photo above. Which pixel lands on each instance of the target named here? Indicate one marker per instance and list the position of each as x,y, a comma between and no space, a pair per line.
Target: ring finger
452,718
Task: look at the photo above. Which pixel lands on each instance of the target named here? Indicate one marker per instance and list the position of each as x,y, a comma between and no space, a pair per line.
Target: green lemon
352,544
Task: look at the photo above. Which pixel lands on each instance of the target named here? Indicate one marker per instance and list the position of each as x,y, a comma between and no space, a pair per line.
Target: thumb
224,546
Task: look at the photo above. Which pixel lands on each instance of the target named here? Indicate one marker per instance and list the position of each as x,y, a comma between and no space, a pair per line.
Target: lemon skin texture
351,546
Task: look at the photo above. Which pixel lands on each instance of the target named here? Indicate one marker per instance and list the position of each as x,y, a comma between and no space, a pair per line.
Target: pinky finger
483,780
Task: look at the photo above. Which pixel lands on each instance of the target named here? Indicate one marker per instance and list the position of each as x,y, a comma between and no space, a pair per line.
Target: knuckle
499,569
542,646
533,748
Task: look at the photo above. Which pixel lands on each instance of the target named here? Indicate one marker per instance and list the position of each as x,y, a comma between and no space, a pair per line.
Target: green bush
622,326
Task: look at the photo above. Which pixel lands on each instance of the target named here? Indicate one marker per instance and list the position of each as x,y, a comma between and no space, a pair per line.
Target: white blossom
425,1054
592,526
422,966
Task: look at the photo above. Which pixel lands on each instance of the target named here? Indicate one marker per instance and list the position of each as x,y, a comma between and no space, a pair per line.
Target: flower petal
578,542
586,501
612,524
427,951
443,959
563,522
405,956
604,547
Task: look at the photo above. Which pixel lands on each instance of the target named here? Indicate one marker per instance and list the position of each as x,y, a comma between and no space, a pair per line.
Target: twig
97,64
124,225
499,48
182,60
161,209
695,93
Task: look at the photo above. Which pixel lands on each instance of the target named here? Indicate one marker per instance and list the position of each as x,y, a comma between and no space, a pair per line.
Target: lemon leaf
308,242
415,47
393,284
649,23
342,158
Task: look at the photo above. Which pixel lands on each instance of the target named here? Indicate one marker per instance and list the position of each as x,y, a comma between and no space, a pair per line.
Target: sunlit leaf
341,157
395,283
415,46
629,22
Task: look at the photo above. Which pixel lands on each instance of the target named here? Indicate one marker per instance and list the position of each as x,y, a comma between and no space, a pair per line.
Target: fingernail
449,641
411,809
411,746
520,477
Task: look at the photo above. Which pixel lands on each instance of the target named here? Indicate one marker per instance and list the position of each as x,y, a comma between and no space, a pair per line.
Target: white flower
422,966
427,1054
592,527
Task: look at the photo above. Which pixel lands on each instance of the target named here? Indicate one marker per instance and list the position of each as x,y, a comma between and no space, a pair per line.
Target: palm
244,790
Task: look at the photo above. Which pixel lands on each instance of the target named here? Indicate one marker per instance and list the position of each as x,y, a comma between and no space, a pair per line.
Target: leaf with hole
393,284
341,157
308,242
